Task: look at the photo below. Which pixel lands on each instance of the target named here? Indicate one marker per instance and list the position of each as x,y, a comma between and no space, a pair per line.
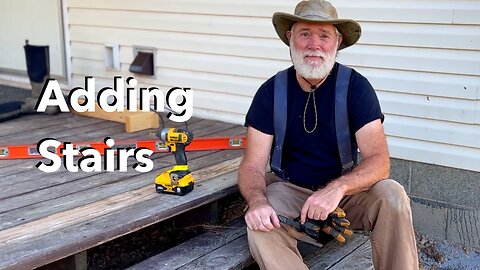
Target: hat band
314,14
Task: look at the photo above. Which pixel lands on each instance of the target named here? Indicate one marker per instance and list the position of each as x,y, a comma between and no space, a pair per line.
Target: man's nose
315,43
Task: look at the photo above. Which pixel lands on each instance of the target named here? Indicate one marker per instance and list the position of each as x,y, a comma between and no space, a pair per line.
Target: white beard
310,70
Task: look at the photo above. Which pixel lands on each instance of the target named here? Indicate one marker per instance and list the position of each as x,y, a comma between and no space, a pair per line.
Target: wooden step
227,248
354,254
222,248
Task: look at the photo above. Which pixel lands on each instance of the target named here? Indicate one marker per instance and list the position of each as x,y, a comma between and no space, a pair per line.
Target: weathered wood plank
102,207
360,259
29,207
19,166
62,133
74,122
84,209
59,131
200,127
48,186
228,249
195,248
331,253
31,122
235,255
70,240
11,162
222,250
22,189
20,182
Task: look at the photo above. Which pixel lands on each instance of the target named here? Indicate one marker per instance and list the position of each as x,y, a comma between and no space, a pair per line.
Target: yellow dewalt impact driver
179,179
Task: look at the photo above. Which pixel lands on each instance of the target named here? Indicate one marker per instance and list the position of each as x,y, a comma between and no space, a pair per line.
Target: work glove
336,225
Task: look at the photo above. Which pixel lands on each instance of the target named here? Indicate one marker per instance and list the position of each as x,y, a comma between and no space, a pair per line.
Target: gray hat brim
350,29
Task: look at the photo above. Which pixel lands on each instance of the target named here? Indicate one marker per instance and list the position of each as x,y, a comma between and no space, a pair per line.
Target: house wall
38,21
422,57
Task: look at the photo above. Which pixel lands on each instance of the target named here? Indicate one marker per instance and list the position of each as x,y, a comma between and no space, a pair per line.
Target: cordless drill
178,180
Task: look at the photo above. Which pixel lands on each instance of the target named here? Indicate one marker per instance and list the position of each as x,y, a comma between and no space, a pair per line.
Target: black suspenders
279,121
341,120
342,127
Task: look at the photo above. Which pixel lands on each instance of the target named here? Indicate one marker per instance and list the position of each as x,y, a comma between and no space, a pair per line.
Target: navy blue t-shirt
313,159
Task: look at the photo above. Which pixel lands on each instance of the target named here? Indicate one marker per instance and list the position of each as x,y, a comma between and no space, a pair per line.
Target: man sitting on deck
310,182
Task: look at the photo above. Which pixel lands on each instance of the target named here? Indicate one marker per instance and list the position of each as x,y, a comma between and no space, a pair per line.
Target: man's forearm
251,183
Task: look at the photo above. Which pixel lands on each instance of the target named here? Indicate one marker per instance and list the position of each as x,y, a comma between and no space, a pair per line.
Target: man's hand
321,203
261,217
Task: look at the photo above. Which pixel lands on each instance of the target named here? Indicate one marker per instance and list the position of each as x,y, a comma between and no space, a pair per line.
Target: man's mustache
315,54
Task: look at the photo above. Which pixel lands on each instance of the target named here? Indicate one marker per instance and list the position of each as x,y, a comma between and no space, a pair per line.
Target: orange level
197,144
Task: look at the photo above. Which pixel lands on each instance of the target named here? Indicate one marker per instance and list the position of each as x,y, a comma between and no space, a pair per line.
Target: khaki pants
384,210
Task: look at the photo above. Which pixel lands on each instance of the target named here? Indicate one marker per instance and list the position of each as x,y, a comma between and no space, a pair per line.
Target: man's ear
288,34
340,39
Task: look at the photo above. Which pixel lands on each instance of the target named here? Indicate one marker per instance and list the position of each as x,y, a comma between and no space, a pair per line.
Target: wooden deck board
90,233
45,217
32,205
64,132
101,207
13,162
226,247
360,259
196,248
20,165
67,180
20,194
223,257
332,254
19,179
30,123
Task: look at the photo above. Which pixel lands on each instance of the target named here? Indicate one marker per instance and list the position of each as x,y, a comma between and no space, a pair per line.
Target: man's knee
260,237
263,243
393,196
278,235
256,236
275,250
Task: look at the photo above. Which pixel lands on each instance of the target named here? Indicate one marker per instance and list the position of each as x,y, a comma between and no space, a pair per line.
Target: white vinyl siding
40,23
422,57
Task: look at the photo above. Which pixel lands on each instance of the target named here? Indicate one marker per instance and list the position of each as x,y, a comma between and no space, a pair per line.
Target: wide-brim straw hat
317,11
